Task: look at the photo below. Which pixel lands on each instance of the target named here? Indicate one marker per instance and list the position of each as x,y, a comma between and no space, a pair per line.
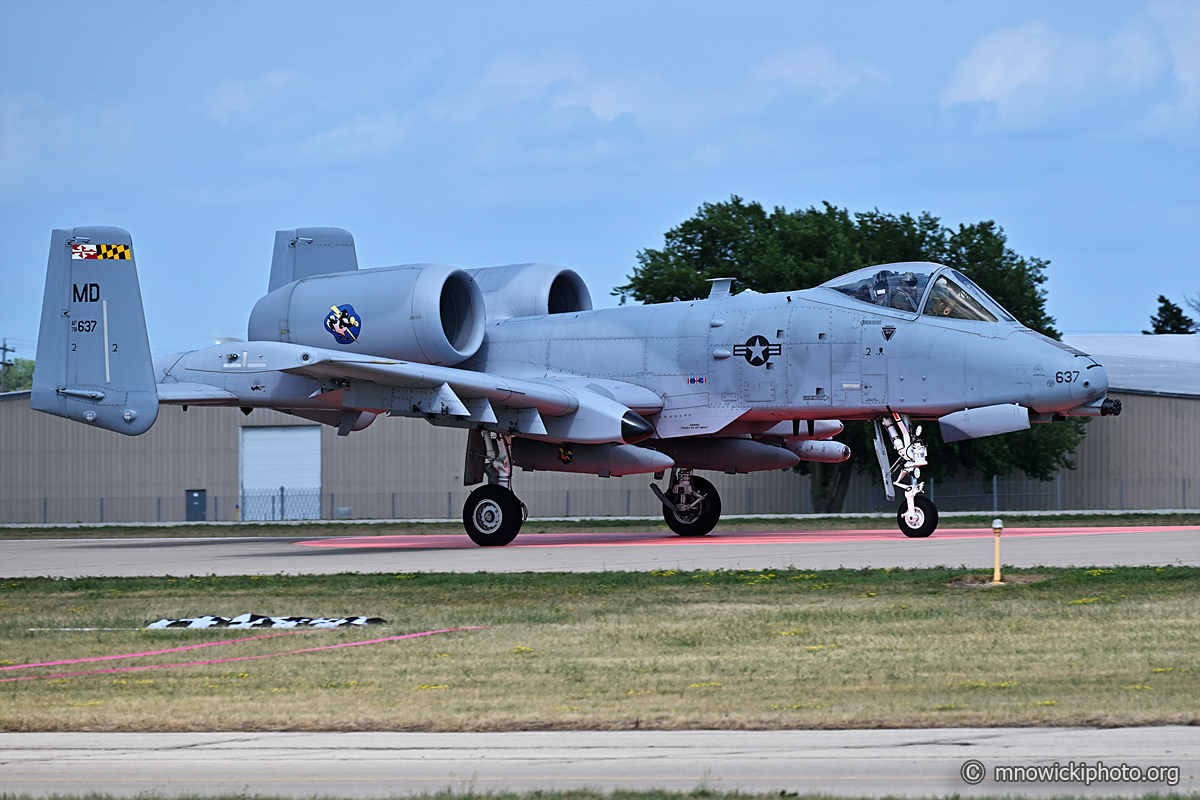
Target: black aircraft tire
492,516
928,514
706,520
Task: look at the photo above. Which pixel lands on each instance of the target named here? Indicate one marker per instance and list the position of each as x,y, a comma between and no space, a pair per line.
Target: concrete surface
590,552
860,763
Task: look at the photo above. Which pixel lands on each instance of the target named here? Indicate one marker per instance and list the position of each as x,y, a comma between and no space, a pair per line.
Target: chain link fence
286,502
789,494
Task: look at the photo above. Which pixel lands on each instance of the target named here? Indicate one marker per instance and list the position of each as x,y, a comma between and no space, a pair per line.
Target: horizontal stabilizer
93,356
973,423
305,252
194,394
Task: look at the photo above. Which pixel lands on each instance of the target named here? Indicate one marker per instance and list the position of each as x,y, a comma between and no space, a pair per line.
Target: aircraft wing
560,408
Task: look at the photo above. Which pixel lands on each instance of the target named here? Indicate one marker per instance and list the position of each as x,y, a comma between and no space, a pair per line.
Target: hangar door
280,470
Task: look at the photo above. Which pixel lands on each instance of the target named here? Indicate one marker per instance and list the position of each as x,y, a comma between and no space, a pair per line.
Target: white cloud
1032,75
563,81
361,137
42,141
1004,63
511,79
30,129
238,96
1180,23
814,67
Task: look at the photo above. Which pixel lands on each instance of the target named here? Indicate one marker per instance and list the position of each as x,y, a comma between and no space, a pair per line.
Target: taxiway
597,552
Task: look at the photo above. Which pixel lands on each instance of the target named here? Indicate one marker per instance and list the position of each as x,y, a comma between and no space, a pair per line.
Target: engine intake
531,290
429,313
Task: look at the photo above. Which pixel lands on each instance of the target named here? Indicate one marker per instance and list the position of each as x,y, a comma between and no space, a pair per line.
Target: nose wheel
920,521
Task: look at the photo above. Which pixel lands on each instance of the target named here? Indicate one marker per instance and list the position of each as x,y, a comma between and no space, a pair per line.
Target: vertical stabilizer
93,357
305,252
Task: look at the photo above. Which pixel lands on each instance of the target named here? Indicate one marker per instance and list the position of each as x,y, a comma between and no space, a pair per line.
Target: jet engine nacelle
428,313
531,290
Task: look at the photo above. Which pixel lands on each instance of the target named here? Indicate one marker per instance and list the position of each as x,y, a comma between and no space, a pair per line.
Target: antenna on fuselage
720,286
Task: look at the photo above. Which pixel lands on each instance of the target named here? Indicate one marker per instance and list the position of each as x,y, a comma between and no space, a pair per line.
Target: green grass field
658,650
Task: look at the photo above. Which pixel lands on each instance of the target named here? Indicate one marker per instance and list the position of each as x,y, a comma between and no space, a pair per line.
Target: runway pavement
589,552
927,763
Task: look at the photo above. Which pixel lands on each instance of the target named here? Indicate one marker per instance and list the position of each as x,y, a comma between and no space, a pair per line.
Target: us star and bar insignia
101,251
758,350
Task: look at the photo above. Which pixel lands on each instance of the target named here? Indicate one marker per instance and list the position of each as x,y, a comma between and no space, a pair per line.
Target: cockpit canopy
944,292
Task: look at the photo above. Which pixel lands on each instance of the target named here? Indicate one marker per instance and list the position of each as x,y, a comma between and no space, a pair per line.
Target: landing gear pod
428,313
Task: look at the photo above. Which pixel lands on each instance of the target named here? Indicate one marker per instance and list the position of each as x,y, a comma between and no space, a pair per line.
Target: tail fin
93,356
304,252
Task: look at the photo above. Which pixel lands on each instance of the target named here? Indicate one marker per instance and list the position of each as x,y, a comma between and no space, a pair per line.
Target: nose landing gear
918,516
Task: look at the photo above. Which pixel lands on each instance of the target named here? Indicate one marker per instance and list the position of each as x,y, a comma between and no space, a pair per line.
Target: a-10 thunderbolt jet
517,357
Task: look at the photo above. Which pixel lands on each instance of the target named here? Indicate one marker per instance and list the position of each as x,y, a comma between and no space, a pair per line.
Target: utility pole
4,362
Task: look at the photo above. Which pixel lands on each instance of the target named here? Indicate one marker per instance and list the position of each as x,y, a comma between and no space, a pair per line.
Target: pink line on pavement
153,652
241,658
461,542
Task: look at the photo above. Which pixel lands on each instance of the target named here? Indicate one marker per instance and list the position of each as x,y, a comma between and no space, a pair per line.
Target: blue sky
577,133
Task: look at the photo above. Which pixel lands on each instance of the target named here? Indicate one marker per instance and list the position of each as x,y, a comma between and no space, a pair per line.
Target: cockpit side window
949,300
980,294
899,290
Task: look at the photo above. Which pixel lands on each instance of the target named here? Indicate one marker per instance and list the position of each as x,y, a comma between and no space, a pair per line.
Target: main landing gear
691,505
917,516
492,514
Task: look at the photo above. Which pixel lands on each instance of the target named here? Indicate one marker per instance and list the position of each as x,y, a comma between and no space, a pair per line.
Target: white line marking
107,373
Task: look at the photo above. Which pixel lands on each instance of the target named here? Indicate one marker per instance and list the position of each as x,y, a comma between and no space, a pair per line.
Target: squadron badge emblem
343,323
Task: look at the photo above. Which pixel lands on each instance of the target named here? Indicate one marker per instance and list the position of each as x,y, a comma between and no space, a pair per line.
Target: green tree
18,375
1170,319
785,250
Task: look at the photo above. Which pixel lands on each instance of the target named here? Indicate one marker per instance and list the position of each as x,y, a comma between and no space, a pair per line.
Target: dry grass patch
739,649
976,581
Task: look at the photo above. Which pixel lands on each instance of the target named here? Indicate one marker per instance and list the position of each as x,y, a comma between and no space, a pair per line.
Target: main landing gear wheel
700,520
492,516
921,522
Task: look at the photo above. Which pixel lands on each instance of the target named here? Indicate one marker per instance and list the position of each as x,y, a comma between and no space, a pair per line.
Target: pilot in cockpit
895,290
948,299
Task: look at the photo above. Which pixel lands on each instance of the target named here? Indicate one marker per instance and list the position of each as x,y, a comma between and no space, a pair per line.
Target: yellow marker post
997,527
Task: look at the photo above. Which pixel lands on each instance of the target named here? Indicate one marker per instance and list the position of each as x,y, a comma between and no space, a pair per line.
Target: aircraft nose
1095,381
1087,380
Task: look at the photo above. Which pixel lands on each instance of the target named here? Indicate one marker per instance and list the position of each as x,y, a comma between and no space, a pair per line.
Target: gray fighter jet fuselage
515,355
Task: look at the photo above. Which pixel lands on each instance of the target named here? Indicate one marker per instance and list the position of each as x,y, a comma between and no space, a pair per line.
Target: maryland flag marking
90,251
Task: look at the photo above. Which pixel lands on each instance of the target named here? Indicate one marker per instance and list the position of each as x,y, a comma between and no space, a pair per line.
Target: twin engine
428,313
